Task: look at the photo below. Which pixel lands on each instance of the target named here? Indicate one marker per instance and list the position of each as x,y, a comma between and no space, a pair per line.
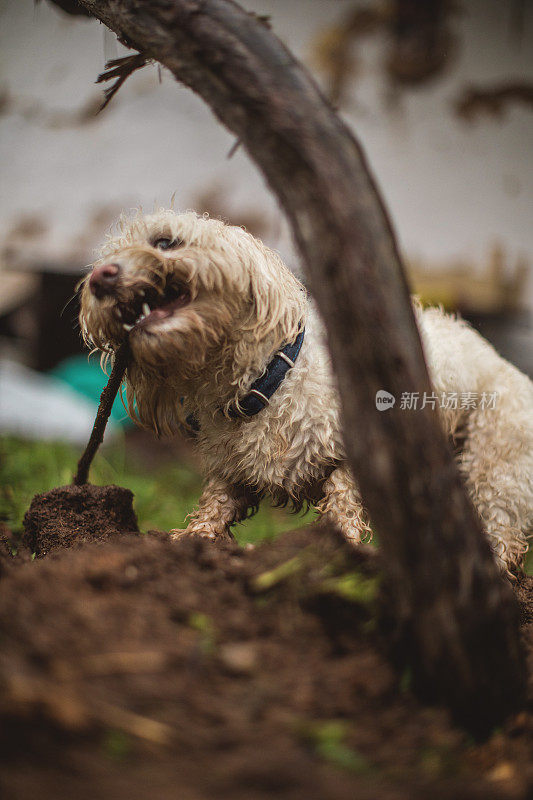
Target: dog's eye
167,244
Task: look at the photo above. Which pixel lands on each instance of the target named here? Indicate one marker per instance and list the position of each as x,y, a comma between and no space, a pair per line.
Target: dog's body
207,306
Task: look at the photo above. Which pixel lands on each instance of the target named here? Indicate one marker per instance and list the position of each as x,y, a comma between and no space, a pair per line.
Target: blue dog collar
263,388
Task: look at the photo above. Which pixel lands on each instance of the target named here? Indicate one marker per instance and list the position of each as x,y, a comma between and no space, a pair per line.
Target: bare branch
121,69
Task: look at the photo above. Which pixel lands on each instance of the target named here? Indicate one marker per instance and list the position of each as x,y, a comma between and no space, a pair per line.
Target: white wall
452,189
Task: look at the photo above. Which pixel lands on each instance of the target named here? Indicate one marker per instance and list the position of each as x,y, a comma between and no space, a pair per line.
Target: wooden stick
107,399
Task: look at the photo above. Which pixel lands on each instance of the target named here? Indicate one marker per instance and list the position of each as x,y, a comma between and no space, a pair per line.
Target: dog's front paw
181,533
205,530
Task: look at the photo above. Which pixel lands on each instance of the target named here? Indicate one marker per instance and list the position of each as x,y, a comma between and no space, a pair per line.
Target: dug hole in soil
135,666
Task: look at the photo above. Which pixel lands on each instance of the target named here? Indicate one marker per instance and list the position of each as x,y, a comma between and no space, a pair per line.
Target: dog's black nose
103,279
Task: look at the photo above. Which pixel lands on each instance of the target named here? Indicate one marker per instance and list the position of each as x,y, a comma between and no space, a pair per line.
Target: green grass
328,740
163,497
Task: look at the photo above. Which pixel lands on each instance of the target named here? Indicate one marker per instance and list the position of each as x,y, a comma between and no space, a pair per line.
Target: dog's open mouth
150,306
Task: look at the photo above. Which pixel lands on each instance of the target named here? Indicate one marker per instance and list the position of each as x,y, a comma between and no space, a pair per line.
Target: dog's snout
103,279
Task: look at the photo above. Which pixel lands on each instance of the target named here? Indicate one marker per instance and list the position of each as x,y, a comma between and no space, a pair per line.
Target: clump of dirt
71,516
147,667
7,549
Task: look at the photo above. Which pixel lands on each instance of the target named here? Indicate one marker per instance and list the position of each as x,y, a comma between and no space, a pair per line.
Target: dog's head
202,304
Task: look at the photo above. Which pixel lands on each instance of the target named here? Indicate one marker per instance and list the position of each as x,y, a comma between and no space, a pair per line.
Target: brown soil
71,516
143,667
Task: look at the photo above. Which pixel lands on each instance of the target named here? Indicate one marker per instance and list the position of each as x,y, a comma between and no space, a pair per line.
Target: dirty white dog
225,339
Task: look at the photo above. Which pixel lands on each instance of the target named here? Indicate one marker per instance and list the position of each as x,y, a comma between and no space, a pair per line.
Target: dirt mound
70,516
144,667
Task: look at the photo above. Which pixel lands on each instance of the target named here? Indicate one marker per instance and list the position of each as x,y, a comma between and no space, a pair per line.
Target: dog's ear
278,298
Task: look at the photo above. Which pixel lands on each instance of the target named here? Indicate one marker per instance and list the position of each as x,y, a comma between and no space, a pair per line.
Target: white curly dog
225,339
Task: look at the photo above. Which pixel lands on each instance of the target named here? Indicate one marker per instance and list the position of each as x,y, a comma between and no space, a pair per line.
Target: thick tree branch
455,620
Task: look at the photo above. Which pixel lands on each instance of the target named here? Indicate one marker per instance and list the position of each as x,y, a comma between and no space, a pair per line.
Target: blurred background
441,96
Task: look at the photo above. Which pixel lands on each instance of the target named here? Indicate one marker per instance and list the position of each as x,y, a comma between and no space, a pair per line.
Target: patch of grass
439,761
406,680
163,496
116,745
327,739
267,580
206,628
354,587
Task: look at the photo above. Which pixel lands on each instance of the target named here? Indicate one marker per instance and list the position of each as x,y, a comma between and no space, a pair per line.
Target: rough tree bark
455,619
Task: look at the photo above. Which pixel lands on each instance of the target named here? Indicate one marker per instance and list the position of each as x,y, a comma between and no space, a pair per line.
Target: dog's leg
497,466
497,457
220,506
341,505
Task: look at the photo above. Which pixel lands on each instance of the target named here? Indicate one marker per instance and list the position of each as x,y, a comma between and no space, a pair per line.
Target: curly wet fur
245,305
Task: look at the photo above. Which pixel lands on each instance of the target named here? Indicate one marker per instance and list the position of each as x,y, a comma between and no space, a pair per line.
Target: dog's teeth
146,309
118,312
142,293
127,327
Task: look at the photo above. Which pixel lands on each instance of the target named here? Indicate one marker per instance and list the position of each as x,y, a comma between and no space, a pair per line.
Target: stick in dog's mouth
122,358
150,306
